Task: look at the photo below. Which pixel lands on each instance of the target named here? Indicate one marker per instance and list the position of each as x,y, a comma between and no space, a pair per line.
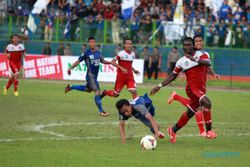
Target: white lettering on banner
47,61
109,68
43,71
30,73
3,66
29,64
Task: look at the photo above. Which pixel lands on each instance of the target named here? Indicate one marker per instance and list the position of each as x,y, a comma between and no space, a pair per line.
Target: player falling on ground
14,52
125,59
195,66
92,58
143,110
198,45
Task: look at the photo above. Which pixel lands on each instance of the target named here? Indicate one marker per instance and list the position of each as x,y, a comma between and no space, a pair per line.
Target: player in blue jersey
92,58
142,109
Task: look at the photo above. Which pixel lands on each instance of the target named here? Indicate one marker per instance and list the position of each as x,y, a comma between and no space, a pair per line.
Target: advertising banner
46,67
4,66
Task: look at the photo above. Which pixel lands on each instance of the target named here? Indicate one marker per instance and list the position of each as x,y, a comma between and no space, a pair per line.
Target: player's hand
136,72
155,90
124,70
69,71
217,76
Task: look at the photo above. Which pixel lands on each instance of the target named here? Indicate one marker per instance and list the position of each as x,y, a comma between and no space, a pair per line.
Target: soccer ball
148,142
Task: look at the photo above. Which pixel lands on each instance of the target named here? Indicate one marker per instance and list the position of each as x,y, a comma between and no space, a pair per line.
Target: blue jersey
141,107
92,61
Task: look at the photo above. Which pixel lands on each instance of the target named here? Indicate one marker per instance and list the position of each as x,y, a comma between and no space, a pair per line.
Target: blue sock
78,87
98,103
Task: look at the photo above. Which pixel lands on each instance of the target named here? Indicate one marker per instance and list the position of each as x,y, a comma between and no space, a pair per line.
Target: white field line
42,129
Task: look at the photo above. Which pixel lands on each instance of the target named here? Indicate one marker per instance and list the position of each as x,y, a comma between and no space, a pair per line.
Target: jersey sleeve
141,109
22,48
7,49
82,57
178,67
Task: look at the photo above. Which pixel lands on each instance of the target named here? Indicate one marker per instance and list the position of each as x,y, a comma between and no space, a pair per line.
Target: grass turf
74,116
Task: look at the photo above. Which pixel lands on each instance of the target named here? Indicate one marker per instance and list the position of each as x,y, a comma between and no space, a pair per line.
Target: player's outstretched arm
167,81
154,124
122,131
73,66
113,62
211,72
204,62
135,71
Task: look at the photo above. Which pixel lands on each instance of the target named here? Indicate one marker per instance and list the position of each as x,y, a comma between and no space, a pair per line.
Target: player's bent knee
190,113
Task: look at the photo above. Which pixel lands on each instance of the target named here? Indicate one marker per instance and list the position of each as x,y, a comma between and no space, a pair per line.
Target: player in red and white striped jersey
14,52
125,59
195,66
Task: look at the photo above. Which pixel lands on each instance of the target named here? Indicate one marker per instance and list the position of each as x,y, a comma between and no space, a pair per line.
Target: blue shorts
92,84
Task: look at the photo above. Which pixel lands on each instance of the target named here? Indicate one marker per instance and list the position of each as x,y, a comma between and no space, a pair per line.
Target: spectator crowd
228,26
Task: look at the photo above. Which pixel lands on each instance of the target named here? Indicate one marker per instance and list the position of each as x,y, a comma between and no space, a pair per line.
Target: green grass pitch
43,127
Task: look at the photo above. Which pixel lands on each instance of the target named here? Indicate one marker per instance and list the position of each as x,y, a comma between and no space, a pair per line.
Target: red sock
199,120
183,120
207,118
184,101
15,84
110,93
9,83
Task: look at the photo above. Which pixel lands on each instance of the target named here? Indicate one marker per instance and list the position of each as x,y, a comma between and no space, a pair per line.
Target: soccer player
14,52
195,66
143,110
92,58
125,59
198,45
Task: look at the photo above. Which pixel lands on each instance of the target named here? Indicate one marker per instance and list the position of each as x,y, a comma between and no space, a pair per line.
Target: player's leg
119,84
16,84
16,75
175,97
185,101
200,122
181,123
206,103
131,86
83,88
14,70
98,101
148,124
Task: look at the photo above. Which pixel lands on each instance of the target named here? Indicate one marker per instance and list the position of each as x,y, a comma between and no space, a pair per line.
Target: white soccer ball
148,142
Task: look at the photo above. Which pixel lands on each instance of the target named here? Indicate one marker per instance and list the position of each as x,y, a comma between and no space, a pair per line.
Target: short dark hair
175,47
14,35
120,103
198,36
90,38
188,39
126,39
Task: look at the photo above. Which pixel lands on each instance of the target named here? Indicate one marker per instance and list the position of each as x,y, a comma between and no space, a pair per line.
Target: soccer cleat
211,135
171,98
161,135
16,93
67,88
172,135
203,134
5,91
104,114
103,94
